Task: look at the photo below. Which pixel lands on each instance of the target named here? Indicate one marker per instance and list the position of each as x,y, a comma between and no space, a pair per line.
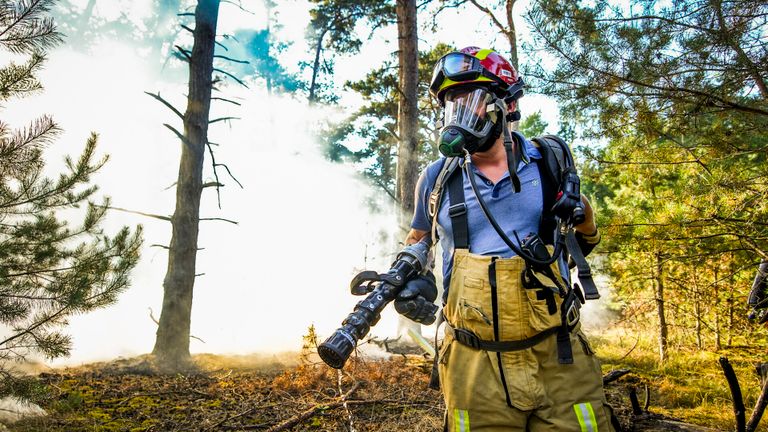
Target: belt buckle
467,338
572,315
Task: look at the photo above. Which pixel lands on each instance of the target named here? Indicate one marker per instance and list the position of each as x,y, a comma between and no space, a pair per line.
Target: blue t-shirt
515,212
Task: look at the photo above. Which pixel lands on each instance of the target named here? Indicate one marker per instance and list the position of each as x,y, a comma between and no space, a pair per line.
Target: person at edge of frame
758,295
527,387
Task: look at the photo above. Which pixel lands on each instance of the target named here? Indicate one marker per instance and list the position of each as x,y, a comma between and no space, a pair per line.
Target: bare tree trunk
659,277
408,110
718,342
730,306
511,35
172,343
508,30
407,120
697,310
85,17
316,66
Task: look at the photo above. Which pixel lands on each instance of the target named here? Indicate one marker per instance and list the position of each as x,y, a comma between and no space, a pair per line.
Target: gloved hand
416,300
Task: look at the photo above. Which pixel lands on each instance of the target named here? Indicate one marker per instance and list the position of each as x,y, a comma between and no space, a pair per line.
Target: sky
304,224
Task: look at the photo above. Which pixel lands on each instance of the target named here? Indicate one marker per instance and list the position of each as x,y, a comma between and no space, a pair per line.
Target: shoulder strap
458,210
449,166
556,155
558,160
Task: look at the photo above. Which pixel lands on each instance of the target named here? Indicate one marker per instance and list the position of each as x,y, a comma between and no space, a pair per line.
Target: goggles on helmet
458,67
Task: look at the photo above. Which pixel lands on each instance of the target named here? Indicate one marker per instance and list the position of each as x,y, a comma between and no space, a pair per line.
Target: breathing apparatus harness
557,164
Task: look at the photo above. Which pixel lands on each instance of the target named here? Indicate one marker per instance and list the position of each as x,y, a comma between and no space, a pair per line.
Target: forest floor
238,393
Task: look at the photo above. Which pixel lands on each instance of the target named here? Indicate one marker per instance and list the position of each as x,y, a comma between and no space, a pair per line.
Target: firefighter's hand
417,299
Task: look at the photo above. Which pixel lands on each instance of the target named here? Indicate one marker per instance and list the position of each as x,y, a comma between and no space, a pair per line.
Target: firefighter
758,295
513,356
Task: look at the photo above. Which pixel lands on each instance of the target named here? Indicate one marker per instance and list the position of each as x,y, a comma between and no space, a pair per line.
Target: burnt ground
230,394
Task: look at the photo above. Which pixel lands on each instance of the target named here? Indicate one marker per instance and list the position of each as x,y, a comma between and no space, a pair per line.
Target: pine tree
51,266
678,93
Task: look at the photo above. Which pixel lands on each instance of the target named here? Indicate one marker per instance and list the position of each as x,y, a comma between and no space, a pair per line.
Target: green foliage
678,95
533,125
50,267
333,27
373,128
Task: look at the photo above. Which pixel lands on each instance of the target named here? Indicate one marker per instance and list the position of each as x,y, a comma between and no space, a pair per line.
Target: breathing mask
472,120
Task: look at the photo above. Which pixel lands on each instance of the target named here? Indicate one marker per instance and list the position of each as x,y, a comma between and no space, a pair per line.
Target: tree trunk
316,66
660,309
407,121
511,34
408,110
697,312
718,341
509,31
172,343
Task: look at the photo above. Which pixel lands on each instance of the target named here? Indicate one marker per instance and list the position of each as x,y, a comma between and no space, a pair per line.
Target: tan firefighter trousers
525,390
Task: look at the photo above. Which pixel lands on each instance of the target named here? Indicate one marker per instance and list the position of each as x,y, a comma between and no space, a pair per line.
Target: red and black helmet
473,65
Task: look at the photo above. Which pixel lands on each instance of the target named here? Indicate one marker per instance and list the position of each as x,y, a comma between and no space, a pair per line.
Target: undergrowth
690,384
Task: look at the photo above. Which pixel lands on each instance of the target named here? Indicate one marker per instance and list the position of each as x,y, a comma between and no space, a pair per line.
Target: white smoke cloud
303,230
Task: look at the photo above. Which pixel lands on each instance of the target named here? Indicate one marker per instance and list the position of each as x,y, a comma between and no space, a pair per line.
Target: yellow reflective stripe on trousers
461,420
586,417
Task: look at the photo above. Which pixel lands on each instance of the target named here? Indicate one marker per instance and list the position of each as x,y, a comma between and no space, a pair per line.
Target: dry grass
271,393
690,385
234,394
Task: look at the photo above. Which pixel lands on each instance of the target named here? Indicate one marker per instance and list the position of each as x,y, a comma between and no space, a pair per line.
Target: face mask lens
467,108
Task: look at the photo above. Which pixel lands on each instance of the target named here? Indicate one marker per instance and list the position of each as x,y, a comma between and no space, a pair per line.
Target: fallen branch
738,401
293,421
757,413
614,375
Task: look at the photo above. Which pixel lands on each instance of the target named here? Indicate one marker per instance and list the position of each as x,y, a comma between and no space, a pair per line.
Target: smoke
304,224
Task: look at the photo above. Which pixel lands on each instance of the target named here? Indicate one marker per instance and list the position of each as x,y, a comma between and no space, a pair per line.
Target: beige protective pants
526,390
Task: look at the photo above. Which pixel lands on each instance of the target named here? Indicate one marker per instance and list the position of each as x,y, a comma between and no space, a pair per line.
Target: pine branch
220,219
27,31
19,79
215,174
156,216
221,45
230,175
178,134
226,100
222,119
231,59
231,76
166,103
187,55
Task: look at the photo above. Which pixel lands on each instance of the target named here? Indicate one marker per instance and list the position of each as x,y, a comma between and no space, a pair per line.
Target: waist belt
466,337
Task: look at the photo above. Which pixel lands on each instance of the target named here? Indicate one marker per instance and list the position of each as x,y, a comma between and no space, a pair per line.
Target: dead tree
172,343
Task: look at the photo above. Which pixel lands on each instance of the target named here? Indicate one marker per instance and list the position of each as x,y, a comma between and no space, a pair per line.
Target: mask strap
513,153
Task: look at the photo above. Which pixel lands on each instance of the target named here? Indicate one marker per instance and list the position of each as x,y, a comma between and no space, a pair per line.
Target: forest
188,187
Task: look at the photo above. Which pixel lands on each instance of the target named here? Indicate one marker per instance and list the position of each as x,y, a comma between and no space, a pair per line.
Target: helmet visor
467,108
